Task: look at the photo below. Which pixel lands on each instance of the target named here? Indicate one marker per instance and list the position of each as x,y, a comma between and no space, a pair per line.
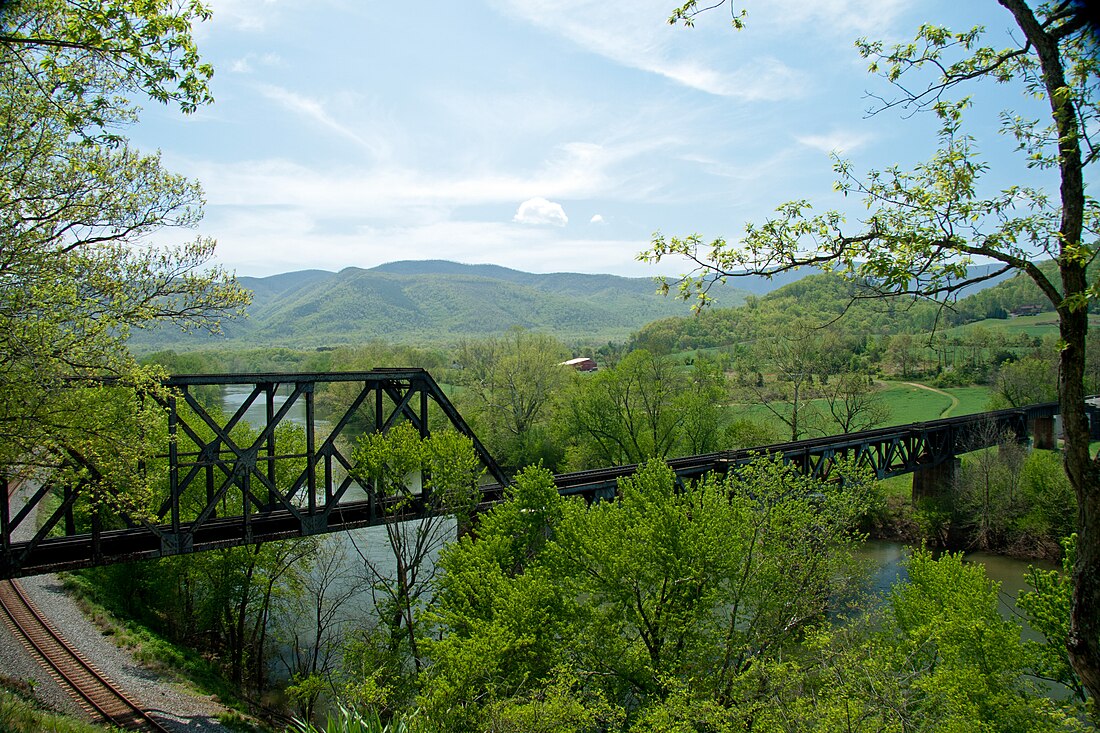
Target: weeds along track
96,694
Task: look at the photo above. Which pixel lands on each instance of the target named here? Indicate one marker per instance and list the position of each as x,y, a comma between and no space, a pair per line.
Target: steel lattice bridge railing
223,491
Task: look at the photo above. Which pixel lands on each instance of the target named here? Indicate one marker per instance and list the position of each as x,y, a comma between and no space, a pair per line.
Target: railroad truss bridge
209,468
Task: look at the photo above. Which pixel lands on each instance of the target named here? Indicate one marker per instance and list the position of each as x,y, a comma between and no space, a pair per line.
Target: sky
541,135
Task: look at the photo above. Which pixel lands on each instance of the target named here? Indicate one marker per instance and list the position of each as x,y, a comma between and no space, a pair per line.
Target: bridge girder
208,470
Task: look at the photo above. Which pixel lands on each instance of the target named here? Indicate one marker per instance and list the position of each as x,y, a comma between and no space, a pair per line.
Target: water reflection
235,395
884,562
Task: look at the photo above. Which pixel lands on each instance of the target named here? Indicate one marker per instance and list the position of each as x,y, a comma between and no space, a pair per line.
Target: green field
919,404
907,404
1043,324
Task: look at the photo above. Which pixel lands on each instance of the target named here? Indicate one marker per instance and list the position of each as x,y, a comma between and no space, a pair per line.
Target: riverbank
1026,520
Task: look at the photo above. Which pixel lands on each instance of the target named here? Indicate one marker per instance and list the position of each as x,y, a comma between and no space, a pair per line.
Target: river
885,566
884,559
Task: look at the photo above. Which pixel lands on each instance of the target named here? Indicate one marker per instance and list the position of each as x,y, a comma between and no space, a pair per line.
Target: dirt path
947,410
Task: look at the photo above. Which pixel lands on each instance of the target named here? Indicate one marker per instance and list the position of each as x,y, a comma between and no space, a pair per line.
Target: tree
901,354
498,606
77,205
669,593
1046,607
700,404
312,650
421,484
1026,381
854,402
104,48
628,413
938,657
988,496
510,383
789,397
926,225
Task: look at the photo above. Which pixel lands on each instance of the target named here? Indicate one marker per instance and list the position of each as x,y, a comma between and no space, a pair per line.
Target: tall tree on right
926,225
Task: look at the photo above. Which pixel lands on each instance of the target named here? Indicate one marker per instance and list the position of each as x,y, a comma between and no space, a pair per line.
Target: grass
1043,324
20,714
915,404
907,404
971,399
901,486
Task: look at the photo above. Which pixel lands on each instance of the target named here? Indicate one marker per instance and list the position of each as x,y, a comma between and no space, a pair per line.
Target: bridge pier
935,481
1042,433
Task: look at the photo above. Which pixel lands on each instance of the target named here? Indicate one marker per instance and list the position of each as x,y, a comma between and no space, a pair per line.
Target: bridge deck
207,463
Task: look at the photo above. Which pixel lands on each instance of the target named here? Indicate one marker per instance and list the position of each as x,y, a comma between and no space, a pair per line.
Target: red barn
581,364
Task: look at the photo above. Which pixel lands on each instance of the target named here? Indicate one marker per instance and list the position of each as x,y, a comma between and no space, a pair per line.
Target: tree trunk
1083,643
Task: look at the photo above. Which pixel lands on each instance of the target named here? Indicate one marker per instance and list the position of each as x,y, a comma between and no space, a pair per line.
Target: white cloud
596,219
540,211
245,15
511,113
838,141
641,39
248,63
843,18
316,111
390,191
267,241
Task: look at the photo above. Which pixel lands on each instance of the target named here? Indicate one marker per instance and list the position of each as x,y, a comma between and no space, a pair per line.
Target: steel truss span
223,491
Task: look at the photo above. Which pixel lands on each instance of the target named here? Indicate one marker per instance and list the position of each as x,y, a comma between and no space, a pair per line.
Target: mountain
434,301
759,285
819,298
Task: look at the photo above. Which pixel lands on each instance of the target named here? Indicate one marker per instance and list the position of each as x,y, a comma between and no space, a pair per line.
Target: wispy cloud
249,62
640,38
315,111
835,141
843,18
267,241
245,15
389,190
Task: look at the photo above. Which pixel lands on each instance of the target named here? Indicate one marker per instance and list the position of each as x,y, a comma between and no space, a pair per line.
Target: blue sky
544,136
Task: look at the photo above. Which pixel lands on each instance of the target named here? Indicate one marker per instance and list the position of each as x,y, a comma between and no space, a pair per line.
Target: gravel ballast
175,707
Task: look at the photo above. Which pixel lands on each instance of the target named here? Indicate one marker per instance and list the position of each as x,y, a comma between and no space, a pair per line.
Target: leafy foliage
643,407
926,225
408,474
940,657
77,273
1047,607
509,389
617,607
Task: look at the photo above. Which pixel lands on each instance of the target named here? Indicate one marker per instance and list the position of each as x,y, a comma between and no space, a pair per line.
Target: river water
885,566
883,559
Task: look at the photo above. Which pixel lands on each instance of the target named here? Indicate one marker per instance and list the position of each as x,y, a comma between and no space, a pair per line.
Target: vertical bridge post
1042,433
936,480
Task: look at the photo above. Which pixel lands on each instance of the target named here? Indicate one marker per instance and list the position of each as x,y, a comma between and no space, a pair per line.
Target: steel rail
96,694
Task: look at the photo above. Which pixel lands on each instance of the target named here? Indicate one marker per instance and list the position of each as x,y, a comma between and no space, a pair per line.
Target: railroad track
95,693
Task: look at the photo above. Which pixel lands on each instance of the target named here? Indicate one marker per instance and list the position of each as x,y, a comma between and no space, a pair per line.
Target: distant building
1026,310
581,364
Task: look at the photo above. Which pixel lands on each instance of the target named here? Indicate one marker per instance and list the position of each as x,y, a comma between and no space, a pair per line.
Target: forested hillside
820,299
433,301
